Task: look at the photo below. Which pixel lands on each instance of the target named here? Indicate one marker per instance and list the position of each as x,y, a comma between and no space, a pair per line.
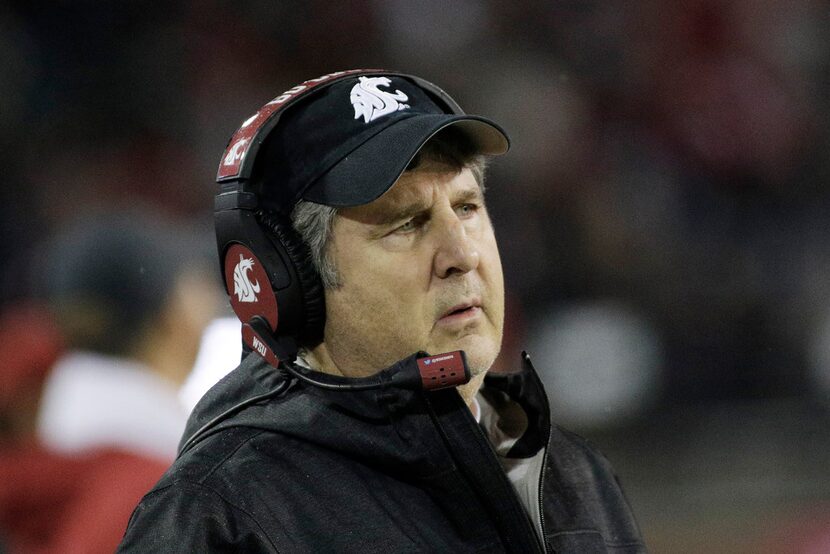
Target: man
339,437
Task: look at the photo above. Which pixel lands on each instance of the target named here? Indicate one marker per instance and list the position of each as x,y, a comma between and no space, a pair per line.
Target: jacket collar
384,423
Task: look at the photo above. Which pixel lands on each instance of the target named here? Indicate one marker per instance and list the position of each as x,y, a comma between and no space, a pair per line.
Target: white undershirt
523,473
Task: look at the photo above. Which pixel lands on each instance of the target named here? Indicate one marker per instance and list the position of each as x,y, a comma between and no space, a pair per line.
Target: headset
273,287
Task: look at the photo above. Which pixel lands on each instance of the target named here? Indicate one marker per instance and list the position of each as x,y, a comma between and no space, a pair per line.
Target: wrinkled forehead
416,191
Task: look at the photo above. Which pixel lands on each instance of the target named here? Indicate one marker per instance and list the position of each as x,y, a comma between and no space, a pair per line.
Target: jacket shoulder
191,517
187,512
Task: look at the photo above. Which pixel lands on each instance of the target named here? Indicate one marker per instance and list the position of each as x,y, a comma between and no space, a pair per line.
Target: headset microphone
273,287
299,146
308,144
417,372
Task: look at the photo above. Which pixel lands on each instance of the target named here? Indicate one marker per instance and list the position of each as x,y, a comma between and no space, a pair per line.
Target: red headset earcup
268,275
249,287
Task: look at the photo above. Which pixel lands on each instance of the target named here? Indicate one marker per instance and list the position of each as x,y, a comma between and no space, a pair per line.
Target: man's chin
479,365
481,352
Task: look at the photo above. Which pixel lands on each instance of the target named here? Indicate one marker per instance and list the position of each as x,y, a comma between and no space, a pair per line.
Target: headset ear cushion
311,287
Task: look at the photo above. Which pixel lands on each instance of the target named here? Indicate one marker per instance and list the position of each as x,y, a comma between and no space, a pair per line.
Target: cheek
373,294
382,283
377,311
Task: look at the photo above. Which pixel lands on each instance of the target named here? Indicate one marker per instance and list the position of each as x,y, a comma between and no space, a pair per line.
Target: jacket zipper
481,437
540,540
541,498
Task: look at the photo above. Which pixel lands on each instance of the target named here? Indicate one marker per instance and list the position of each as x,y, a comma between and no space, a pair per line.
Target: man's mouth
461,312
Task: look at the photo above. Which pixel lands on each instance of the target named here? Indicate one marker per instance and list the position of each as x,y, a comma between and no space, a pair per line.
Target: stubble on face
399,287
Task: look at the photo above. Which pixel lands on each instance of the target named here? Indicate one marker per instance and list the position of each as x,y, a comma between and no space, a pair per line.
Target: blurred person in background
132,298
128,297
356,239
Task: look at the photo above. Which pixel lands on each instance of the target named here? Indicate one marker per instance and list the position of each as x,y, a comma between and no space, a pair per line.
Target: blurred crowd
661,215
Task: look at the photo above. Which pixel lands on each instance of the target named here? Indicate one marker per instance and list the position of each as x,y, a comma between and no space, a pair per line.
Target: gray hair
314,222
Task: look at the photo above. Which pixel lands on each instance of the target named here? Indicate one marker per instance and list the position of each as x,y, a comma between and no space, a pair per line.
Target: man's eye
467,209
407,227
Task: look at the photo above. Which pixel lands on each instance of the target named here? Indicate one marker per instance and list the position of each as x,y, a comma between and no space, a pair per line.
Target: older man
360,257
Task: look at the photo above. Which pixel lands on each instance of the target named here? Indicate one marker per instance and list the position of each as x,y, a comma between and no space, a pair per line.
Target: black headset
259,249
274,289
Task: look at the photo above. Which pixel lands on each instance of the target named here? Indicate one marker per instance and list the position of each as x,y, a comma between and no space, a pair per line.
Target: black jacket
310,470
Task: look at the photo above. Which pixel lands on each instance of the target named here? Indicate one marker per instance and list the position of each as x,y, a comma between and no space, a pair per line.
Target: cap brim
373,167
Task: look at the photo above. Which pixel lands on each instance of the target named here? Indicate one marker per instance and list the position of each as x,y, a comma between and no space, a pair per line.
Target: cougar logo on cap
244,290
371,103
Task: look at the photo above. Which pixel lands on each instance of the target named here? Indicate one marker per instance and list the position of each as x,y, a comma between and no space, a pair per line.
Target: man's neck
318,358
469,390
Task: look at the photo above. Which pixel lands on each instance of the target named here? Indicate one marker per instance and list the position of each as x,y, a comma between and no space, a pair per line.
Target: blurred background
662,214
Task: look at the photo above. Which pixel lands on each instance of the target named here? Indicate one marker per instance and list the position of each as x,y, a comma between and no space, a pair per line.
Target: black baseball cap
348,143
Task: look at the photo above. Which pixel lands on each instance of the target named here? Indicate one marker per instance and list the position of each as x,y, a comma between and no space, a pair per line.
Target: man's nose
456,252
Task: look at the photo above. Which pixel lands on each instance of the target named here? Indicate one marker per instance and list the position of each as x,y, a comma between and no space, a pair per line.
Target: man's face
419,270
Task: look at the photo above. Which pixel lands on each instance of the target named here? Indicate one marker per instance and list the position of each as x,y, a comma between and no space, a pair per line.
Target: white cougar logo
244,290
371,102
